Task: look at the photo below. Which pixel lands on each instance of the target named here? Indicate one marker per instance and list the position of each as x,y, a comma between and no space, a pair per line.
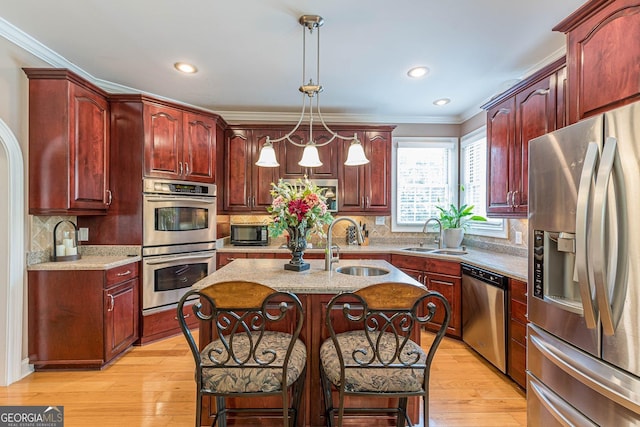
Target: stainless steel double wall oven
179,233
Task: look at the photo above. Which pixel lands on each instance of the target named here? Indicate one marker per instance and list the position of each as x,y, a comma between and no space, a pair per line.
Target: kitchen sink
448,251
358,270
444,251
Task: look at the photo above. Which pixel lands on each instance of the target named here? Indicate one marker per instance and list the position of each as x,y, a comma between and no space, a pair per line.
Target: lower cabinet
517,336
82,319
438,275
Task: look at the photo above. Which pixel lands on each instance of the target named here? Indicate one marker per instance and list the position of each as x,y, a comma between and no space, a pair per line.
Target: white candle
68,243
60,250
71,251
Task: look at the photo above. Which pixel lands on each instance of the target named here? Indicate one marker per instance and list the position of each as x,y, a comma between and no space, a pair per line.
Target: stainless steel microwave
330,187
249,234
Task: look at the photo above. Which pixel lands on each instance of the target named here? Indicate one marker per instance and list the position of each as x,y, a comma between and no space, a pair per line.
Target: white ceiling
249,52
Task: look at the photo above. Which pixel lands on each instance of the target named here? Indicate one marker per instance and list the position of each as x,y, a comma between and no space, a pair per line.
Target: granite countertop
87,262
501,263
316,280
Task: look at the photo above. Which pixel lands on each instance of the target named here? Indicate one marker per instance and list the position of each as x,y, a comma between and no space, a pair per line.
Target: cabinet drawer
439,266
406,261
518,332
519,311
518,290
122,273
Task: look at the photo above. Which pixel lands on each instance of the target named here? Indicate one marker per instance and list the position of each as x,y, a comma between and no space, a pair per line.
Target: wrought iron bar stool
255,350
372,350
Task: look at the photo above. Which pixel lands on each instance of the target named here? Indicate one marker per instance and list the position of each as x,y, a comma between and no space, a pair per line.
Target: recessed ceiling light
185,67
442,101
417,72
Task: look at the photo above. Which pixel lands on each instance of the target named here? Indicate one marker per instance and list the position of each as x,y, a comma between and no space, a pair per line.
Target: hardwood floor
153,385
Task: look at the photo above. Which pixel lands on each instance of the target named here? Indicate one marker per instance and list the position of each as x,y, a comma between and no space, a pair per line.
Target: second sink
444,251
358,270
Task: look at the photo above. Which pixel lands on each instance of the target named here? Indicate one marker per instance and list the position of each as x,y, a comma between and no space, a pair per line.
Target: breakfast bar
314,287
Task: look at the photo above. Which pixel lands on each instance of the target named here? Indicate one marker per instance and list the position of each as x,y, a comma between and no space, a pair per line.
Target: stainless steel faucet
328,252
440,233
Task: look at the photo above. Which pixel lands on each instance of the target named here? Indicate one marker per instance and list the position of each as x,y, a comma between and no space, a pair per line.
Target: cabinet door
163,142
199,148
377,180
351,182
237,171
263,177
450,288
328,156
88,150
602,60
121,317
500,142
535,116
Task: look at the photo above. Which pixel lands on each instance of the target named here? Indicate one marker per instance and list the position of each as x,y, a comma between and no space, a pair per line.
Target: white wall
15,117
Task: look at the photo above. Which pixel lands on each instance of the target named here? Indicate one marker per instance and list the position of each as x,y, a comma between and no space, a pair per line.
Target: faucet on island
440,236
328,252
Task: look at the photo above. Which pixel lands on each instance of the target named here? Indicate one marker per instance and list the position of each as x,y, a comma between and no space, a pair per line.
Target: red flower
298,208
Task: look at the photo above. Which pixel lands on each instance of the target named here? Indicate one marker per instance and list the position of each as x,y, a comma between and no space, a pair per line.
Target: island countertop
316,280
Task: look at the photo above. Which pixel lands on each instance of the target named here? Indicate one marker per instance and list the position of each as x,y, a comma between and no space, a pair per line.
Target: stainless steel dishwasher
484,314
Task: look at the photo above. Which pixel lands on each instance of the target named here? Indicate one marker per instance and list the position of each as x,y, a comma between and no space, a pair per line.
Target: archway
12,256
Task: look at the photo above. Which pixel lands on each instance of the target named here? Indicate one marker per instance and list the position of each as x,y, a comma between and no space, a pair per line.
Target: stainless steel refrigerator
583,353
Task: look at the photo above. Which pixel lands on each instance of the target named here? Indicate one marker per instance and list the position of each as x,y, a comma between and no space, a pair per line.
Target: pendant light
311,91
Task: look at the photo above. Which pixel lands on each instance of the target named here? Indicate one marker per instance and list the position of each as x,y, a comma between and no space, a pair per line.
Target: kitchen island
315,287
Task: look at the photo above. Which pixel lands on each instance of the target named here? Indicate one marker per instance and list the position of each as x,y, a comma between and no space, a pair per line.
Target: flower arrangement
301,205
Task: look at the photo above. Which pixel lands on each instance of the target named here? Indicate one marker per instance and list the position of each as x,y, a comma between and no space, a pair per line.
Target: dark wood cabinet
361,189
247,186
68,144
366,189
530,109
178,144
603,58
292,154
517,337
438,275
82,319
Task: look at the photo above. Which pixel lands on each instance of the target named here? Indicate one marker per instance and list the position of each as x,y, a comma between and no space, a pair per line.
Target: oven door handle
206,201
179,259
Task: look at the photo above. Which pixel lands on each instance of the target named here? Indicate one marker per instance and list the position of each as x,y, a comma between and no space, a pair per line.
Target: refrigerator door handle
581,275
564,413
607,280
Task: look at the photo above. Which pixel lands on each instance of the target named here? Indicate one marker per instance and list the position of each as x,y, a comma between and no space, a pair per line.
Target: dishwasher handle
485,276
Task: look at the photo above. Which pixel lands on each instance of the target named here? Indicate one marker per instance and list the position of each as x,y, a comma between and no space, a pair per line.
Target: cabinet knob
179,168
509,198
111,303
124,273
109,197
186,168
513,199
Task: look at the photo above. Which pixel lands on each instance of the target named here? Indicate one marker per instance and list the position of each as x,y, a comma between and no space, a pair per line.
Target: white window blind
425,177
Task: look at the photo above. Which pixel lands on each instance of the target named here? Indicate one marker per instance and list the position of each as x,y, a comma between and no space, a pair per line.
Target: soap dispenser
65,242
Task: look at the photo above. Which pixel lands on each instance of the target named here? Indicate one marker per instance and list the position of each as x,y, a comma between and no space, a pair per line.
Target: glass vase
297,244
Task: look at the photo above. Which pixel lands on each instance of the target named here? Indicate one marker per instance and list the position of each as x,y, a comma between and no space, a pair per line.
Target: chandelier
310,91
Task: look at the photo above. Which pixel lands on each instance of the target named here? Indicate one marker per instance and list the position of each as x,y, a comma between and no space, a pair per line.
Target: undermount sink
445,251
359,270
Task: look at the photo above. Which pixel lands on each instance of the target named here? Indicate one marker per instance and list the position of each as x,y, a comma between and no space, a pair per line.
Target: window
473,180
425,176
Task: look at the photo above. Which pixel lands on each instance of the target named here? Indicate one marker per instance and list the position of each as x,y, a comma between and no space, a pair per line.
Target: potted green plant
454,220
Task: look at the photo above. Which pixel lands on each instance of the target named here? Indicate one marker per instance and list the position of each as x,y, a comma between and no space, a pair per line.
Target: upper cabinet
530,109
68,144
179,144
361,189
366,189
292,154
247,186
602,56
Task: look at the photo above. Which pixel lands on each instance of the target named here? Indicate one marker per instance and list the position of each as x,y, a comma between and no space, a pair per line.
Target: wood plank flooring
153,386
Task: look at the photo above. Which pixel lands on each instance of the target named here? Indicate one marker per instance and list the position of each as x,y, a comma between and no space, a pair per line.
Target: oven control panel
165,186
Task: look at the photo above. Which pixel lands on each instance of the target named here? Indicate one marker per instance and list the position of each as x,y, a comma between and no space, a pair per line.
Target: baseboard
25,368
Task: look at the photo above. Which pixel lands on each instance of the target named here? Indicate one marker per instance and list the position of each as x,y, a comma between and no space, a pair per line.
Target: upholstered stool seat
251,378
376,377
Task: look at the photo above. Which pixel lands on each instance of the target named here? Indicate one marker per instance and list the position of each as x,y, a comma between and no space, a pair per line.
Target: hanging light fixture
311,90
